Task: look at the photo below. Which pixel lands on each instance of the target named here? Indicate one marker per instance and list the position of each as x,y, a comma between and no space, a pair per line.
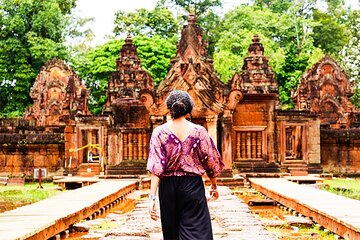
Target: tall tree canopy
32,32
159,21
198,7
329,34
350,54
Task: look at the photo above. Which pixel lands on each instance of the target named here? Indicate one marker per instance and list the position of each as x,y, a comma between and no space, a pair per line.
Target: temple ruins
243,117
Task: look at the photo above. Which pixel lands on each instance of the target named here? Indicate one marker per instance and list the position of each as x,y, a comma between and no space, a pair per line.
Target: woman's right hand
153,209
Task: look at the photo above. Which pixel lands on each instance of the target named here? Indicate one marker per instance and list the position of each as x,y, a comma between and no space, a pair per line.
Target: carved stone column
211,122
226,143
70,143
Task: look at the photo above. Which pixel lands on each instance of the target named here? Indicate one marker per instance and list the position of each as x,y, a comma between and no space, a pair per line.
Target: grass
346,187
27,194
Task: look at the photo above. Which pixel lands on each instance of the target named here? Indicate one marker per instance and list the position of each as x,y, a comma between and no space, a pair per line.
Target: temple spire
130,86
192,71
256,76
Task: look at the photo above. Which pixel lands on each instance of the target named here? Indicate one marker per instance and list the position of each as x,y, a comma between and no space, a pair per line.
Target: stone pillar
313,142
70,143
211,122
226,143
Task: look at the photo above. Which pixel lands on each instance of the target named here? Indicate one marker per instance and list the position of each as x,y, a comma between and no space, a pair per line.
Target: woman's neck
179,119
181,127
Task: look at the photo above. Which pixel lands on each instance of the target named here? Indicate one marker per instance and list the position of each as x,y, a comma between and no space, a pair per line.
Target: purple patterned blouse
195,155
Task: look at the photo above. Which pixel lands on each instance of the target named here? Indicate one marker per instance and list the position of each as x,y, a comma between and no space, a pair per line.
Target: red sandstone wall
340,151
20,160
258,113
251,113
24,146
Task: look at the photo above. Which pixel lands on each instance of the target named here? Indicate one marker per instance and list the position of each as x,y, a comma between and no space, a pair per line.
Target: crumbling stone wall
24,147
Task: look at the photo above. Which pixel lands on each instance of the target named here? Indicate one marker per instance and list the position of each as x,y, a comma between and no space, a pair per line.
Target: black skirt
183,209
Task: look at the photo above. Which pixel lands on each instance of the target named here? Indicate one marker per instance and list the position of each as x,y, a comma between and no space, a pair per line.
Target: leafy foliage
350,54
32,32
294,33
198,7
329,35
239,26
277,6
146,22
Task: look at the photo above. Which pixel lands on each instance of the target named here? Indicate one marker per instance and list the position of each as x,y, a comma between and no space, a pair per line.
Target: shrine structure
325,90
38,140
243,117
57,92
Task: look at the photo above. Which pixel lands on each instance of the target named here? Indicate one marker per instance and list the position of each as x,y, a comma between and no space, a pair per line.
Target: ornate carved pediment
57,92
192,71
325,89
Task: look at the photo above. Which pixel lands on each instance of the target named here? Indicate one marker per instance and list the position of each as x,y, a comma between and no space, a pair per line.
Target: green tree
198,7
146,22
350,54
32,32
96,66
277,6
238,28
329,35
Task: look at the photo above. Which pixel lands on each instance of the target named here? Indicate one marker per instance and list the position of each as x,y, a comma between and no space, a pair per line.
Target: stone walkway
231,220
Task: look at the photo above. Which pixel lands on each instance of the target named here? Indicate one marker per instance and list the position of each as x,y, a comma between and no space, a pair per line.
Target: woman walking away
180,153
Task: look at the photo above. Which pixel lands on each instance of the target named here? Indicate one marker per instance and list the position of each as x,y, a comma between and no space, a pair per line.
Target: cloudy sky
103,12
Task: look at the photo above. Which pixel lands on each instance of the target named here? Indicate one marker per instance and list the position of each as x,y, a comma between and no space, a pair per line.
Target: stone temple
243,117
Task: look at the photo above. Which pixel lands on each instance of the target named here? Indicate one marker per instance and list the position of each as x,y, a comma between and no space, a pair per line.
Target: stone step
88,170
261,202
127,171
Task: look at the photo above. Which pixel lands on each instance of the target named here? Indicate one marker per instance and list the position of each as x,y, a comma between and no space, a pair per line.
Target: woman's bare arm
154,184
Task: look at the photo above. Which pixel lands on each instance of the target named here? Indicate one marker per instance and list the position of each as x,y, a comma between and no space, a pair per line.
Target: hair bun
179,103
178,109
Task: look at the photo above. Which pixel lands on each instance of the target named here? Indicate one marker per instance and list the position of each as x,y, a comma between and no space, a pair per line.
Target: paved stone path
231,220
